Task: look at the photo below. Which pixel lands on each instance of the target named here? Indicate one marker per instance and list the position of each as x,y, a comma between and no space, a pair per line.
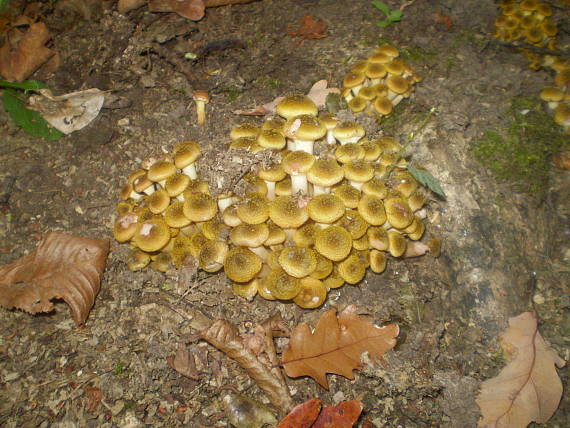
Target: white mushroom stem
135,196
190,171
354,90
270,189
225,201
348,96
356,184
319,190
330,137
304,145
291,145
200,111
415,249
299,184
261,251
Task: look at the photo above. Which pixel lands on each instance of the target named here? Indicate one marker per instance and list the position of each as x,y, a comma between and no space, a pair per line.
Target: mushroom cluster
377,84
557,96
311,223
528,21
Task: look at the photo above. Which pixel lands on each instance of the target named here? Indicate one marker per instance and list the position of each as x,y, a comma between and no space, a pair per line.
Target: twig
406,4
530,48
216,3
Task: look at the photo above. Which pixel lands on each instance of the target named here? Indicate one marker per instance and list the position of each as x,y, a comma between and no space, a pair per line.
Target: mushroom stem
201,98
190,170
299,184
304,145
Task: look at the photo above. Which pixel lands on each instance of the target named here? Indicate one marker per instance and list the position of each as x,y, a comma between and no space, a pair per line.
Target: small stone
538,299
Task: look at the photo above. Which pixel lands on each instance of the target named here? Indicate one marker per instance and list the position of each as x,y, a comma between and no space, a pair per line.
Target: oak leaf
528,388
310,28
343,415
336,345
61,267
190,9
303,415
26,53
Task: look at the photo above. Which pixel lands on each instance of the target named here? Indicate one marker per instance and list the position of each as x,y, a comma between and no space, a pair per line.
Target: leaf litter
528,388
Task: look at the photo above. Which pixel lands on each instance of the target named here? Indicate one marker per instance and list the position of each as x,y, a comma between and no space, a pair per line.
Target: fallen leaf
336,345
61,267
344,415
190,9
27,53
94,397
224,336
124,6
183,362
318,93
70,112
310,28
245,412
528,388
303,415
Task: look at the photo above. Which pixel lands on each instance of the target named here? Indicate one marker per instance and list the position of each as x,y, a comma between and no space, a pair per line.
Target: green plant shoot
391,15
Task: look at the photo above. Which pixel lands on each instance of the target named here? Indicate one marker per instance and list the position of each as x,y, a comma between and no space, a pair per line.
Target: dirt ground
500,247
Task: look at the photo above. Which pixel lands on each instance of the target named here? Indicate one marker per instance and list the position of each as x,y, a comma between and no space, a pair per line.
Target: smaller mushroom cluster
557,96
528,21
377,84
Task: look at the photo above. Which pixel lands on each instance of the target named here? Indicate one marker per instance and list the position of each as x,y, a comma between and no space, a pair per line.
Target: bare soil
500,247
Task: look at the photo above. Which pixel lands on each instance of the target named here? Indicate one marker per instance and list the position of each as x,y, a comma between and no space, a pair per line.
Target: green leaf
3,4
28,85
30,121
383,7
426,179
395,16
383,24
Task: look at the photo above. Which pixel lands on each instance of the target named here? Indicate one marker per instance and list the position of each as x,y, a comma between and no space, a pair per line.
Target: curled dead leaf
303,415
528,388
335,345
190,9
61,267
23,54
343,415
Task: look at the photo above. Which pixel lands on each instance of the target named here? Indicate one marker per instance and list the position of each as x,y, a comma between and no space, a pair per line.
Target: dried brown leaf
19,60
310,28
190,9
224,336
183,362
303,415
61,267
343,415
336,345
528,388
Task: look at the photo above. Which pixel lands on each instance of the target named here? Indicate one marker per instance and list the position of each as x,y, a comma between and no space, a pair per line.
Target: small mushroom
201,98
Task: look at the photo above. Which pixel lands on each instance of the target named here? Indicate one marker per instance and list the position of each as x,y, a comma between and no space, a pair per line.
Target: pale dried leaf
69,112
528,388
319,92
335,346
62,267
303,415
19,61
343,415
190,9
183,362
224,336
124,6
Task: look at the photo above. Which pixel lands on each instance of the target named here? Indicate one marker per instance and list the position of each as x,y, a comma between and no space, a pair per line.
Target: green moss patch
521,153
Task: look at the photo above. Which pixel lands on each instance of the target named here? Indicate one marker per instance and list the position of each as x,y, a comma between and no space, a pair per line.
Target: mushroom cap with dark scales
174,215
249,235
158,201
161,170
244,130
298,162
304,236
396,243
349,152
253,209
352,270
398,212
241,264
271,139
281,285
333,242
325,208
298,262
152,235
212,255
176,184
371,208
312,294
294,105
288,212
325,173
187,154
350,195
274,173
304,127
200,207
353,223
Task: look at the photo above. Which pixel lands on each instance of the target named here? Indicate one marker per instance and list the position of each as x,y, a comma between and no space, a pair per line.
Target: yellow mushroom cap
358,172
246,290
333,242
200,207
297,162
181,249
152,235
371,151
562,115
125,227
298,261
215,229
312,294
176,184
186,154
397,84
349,152
304,127
304,236
375,70
197,240
276,123
161,262
398,212
158,201
142,183
241,264
273,173
161,170
419,232
323,269
288,212
284,187
378,261
230,217
353,223
325,173
253,209
352,270
276,235
389,50
281,285
376,187
244,130
379,58
212,255
249,235
382,105
348,132
123,208
196,186
353,79
295,105
329,120
388,144
174,215
377,238
334,280
271,139
396,243
357,104
350,195
138,260
395,67
417,199
325,208
371,208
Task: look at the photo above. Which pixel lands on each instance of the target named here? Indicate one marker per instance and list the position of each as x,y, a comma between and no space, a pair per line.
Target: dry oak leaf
190,9
303,415
528,388
310,28
183,362
19,61
61,267
335,346
343,415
